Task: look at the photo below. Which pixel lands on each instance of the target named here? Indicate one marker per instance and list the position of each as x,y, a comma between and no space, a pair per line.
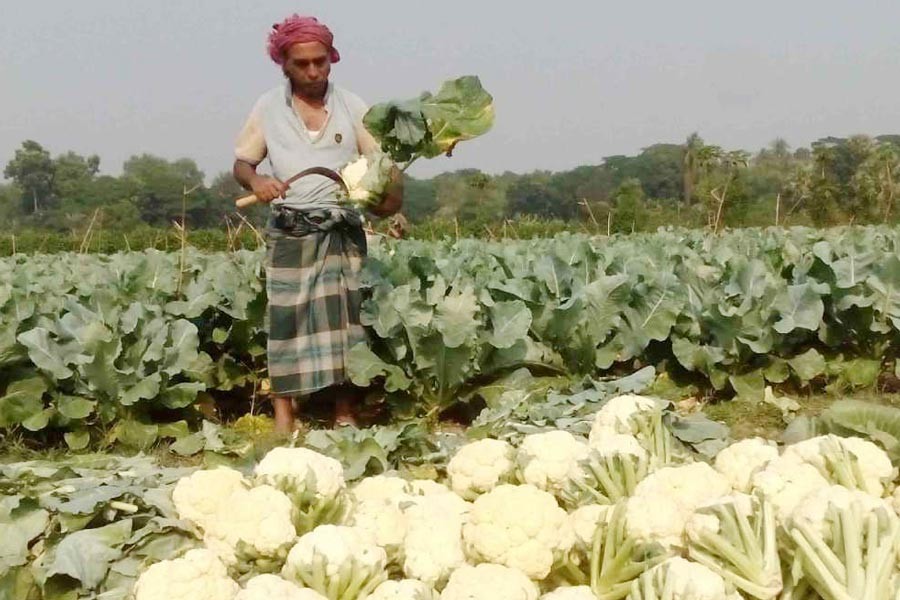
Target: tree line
693,184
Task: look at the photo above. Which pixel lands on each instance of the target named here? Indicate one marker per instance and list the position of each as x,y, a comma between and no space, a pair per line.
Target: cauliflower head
578,592
406,589
260,518
616,416
198,496
479,467
785,482
199,574
739,461
273,587
380,488
550,460
489,582
663,502
302,465
518,526
684,579
813,510
871,471
585,521
433,546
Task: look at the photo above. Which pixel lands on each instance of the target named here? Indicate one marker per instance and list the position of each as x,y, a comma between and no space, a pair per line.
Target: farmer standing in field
315,243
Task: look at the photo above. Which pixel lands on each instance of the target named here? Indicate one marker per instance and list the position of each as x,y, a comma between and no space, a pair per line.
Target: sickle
332,175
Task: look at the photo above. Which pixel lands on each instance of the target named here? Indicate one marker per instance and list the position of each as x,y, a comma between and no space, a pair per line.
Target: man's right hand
267,188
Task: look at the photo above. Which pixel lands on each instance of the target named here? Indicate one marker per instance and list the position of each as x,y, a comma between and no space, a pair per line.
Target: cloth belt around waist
299,222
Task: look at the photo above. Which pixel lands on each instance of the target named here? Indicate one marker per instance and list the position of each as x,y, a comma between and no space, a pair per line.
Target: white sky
572,81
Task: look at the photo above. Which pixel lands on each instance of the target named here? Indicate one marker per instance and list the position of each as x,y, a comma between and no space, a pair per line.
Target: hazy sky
572,81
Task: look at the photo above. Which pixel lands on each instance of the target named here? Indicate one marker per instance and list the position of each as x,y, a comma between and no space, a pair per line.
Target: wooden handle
246,201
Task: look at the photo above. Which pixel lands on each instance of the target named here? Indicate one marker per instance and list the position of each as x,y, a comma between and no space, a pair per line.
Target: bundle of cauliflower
626,514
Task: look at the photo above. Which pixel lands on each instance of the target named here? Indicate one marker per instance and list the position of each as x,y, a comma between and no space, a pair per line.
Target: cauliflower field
620,508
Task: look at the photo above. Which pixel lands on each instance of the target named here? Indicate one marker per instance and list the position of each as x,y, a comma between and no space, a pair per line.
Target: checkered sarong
312,282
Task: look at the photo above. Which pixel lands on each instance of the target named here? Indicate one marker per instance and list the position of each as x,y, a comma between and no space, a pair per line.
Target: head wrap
297,30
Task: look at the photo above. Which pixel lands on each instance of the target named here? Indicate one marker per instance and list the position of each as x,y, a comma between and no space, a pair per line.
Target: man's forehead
307,50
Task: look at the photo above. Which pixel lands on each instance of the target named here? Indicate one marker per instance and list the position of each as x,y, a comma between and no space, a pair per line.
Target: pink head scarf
297,30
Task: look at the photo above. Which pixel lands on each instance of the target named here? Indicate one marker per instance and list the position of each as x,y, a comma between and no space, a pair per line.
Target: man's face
307,65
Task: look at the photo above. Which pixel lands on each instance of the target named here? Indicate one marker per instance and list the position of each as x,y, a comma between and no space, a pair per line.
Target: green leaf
189,444
799,307
510,322
77,440
39,420
461,110
364,366
136,434
181,394
85,555
220,335
877,422
147,388
16,533
22,401
455,317
44,352
808,365
74,407
749,386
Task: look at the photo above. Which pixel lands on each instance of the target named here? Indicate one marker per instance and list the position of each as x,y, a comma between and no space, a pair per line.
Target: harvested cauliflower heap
627,513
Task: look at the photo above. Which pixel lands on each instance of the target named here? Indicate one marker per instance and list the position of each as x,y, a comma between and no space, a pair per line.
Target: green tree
690,163
31,168
160,186
628,206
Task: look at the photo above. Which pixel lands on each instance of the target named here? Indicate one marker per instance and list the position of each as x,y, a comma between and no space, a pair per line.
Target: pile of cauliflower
626,513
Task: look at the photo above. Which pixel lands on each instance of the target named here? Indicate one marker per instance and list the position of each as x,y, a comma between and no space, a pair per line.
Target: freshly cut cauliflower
549,461
300,464
332,558
273,587
367,178
518,526
314,483
198,496
813,510
739,461
785,482
198,574
663,502
617,415
585,521
406,589
684,580
829,454
383,519
578,592
607,443
433,546
479,467
380,488
259,517
489,582
427,487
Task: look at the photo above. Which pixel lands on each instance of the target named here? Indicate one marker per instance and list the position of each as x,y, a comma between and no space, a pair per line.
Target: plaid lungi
312,282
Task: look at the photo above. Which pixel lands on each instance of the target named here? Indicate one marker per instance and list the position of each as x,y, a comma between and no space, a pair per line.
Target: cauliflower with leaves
367,178
664,501
680,579
314,483
336,561
550,461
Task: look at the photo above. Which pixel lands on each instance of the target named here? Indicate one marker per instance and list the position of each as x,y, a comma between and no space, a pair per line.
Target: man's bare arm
393,197
265,188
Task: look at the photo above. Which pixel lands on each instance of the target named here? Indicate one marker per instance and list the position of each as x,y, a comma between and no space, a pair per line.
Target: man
315,243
